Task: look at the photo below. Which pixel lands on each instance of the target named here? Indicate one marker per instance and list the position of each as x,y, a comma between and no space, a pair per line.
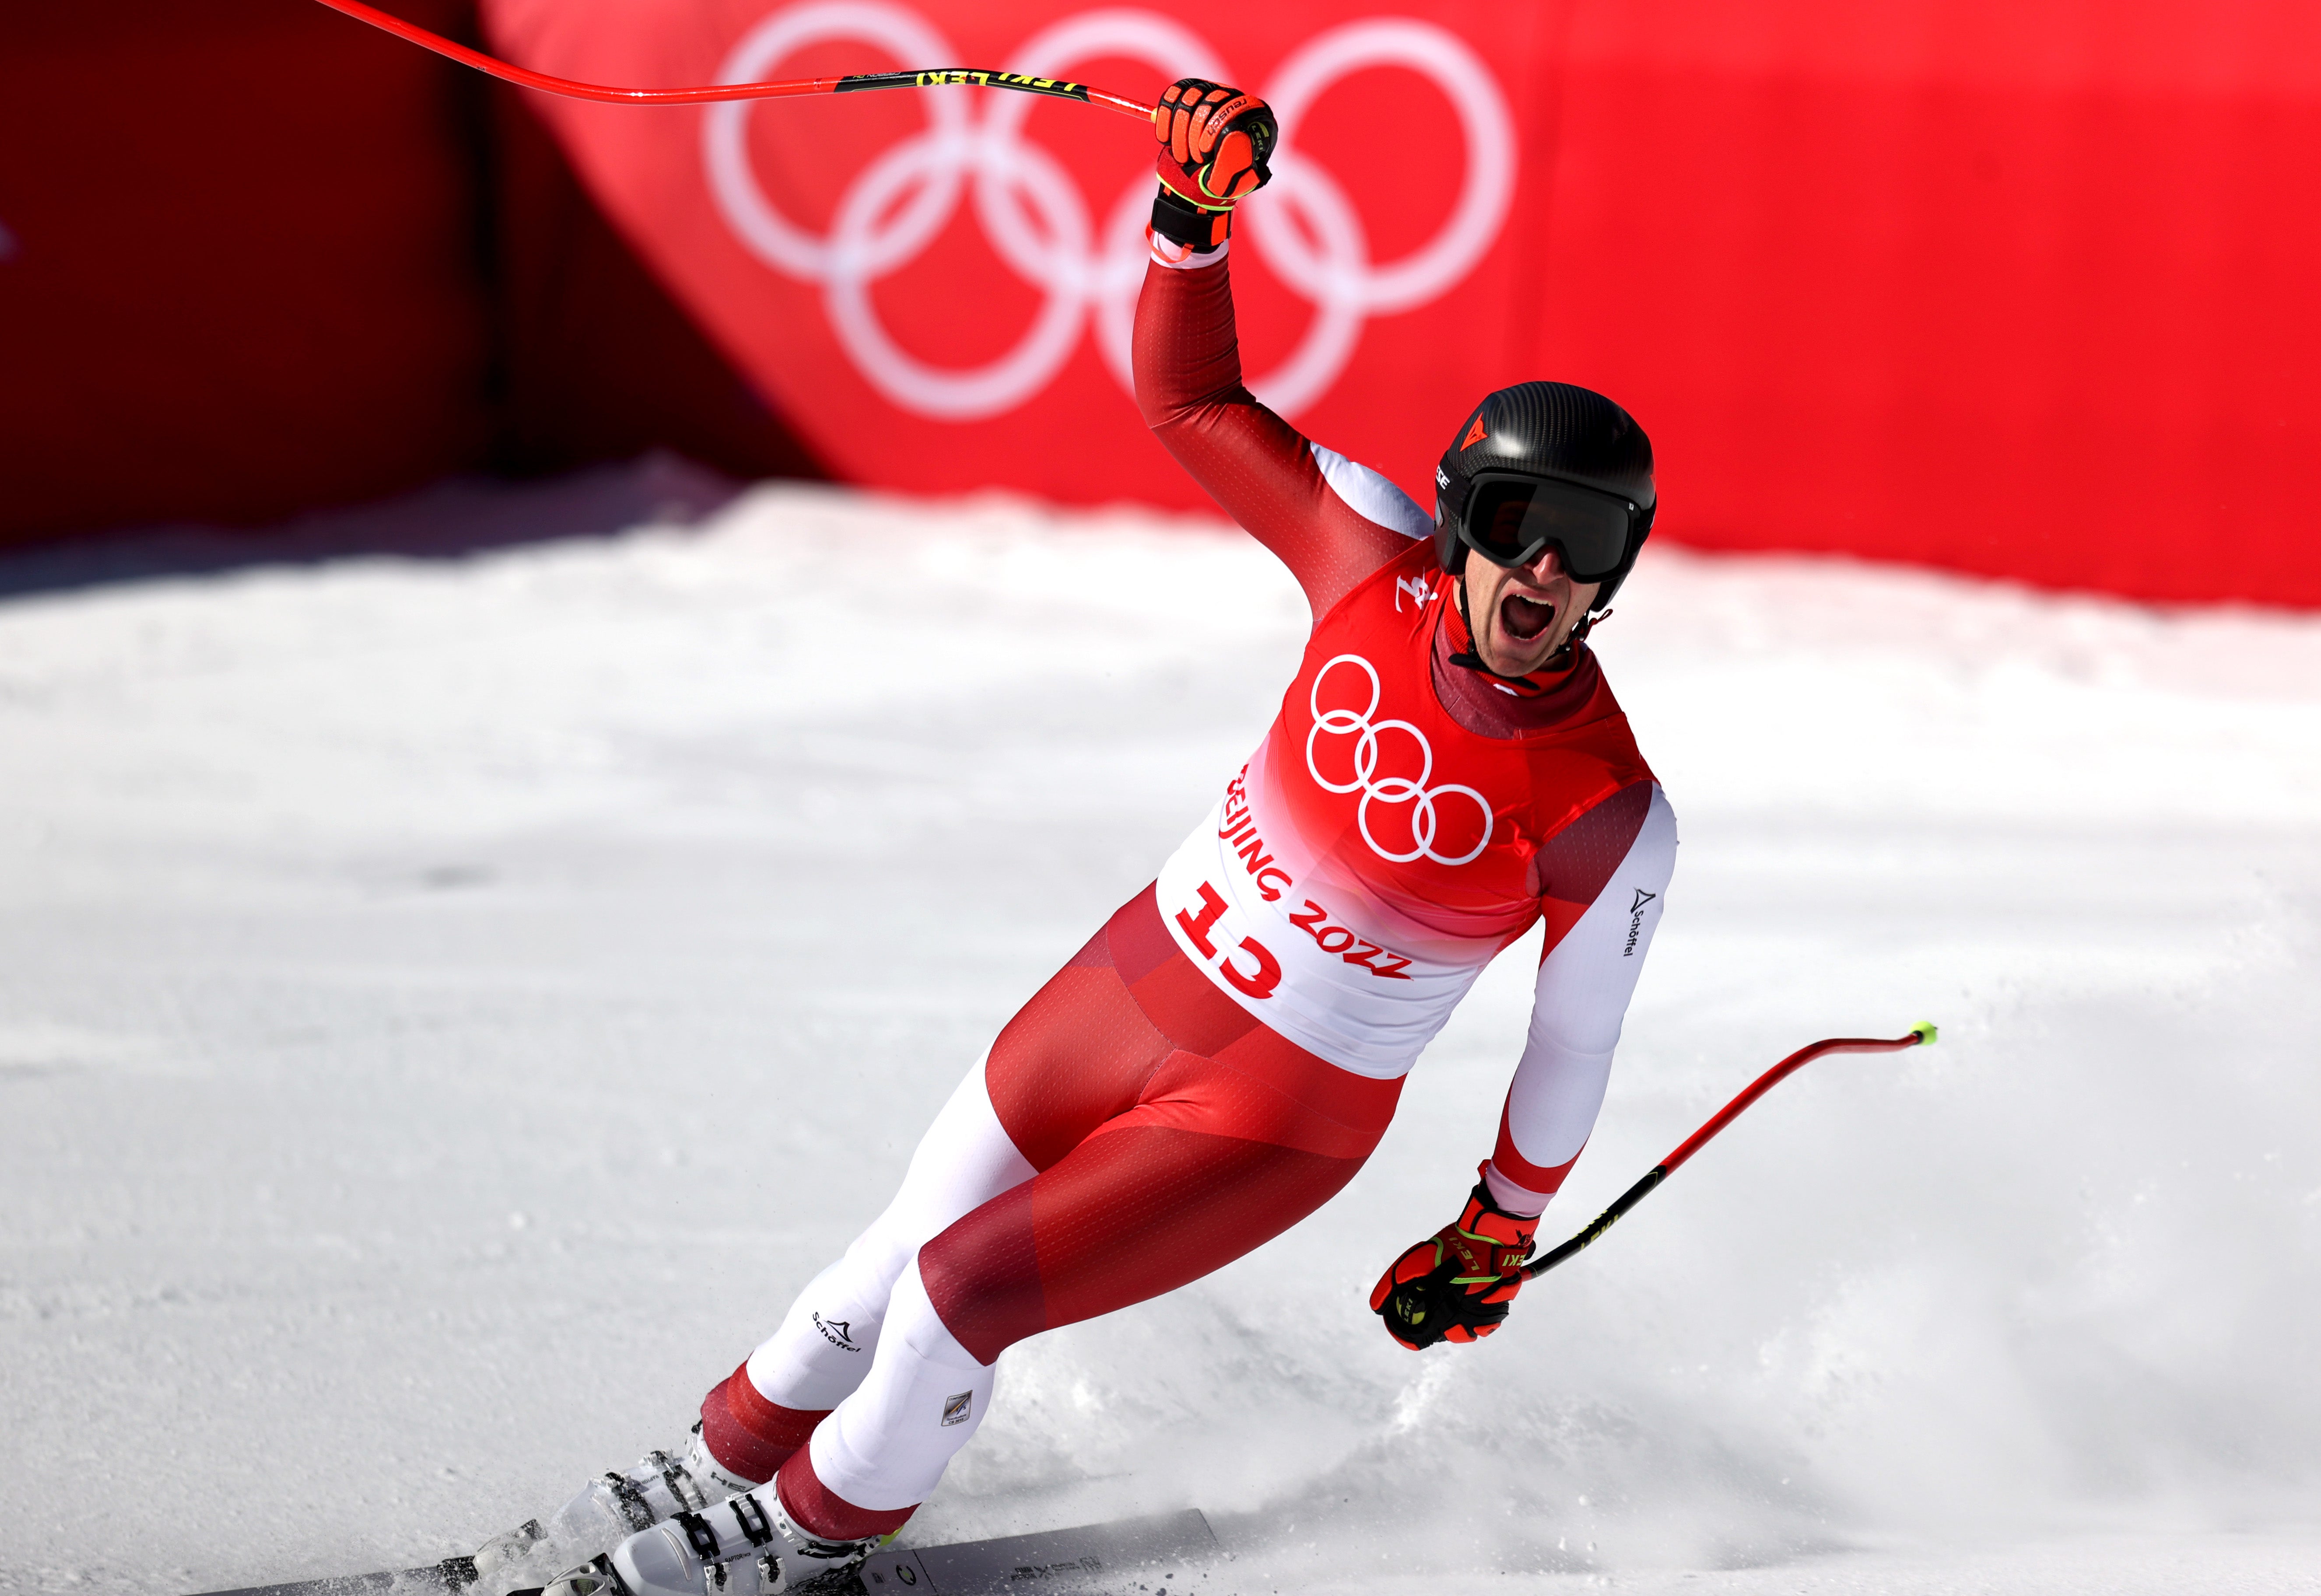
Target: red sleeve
1255,465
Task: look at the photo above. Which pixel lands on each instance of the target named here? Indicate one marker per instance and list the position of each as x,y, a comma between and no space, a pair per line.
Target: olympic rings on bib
1037,219
1389,789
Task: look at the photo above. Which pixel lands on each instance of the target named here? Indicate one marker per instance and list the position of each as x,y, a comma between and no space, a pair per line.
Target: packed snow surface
448,1005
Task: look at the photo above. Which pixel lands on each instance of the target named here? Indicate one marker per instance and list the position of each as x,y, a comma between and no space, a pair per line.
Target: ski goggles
1510,520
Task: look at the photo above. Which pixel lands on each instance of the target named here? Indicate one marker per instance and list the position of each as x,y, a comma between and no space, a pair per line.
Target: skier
1448,768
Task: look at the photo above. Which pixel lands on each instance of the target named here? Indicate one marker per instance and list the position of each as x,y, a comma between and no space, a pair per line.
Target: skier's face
1523,615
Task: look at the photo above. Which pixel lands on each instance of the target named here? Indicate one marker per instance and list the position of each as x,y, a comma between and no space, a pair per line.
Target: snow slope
446,1005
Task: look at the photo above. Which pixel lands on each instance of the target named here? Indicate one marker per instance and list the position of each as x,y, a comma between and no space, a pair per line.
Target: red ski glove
1214,145
1456,1287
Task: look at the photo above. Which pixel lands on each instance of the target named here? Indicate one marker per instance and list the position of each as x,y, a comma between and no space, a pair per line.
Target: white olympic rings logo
1034,214
1392,789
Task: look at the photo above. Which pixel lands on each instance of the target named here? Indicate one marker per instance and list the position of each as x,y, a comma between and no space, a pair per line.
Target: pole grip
1598,1225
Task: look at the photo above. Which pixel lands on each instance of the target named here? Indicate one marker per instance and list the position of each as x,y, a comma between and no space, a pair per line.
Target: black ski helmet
1554,430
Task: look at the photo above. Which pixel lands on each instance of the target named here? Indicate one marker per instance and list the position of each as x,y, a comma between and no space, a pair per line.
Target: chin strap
1471,658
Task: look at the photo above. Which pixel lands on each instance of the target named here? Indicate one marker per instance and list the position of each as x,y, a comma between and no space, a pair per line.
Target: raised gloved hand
1214,145
1456,1286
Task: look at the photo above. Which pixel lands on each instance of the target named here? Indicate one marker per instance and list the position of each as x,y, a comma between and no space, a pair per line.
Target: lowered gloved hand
1456,1286
1214,145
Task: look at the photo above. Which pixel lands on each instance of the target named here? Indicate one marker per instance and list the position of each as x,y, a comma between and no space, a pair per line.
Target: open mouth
1524,619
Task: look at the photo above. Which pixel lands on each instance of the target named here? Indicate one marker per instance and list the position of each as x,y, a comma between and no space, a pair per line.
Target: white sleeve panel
1177,256
1370,495
1581,996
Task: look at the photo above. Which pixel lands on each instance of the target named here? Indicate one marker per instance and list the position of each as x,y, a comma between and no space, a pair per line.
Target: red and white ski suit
1222,1056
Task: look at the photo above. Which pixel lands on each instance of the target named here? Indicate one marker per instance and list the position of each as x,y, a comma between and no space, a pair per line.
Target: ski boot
607,1510
746,1545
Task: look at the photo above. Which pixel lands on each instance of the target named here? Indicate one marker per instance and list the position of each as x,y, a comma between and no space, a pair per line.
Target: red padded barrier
240,274
256,259
2017,289
2014,289
595,362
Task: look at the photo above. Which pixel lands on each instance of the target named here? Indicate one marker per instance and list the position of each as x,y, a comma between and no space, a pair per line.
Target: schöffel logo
838,1332
956,1408
1636,921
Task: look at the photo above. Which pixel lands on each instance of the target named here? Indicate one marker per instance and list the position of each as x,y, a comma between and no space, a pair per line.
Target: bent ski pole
1920,1034
851,83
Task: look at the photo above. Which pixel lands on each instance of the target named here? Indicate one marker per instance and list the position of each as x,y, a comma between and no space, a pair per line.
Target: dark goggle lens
1511,522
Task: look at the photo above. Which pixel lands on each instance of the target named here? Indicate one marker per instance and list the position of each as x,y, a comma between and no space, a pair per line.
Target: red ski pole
1920,1034
851,83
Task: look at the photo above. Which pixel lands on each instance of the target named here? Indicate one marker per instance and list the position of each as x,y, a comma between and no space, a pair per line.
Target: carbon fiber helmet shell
1554,430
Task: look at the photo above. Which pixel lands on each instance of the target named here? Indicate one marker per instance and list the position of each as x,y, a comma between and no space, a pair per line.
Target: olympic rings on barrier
1038,220
1392,789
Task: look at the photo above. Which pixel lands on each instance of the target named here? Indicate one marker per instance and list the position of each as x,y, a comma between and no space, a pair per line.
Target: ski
442,1578
410,1582
1112,1559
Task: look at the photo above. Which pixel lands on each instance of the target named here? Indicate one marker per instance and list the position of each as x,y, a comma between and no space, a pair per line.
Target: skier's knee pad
981,1277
